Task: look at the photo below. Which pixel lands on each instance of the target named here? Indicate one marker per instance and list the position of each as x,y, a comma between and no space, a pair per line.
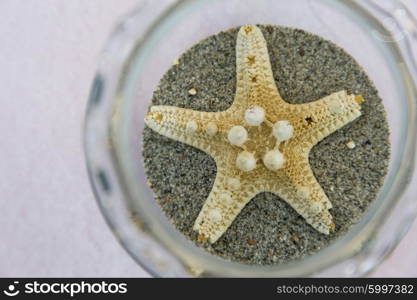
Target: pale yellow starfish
261,143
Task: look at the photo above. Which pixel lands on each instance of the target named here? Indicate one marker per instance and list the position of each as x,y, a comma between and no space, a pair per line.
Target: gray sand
306,68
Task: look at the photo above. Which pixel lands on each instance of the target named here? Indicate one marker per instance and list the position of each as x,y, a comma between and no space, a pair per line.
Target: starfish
260,144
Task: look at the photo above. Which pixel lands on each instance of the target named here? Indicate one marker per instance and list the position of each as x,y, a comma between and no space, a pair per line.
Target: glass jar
141,49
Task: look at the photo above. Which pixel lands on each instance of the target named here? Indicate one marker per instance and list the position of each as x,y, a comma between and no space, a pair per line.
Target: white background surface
50,224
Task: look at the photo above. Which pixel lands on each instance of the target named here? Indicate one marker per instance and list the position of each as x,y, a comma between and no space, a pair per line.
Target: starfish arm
255,81
325,116
224,203
305,195
189,126
300,175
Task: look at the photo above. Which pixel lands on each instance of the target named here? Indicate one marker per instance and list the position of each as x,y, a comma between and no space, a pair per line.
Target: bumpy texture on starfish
269,149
